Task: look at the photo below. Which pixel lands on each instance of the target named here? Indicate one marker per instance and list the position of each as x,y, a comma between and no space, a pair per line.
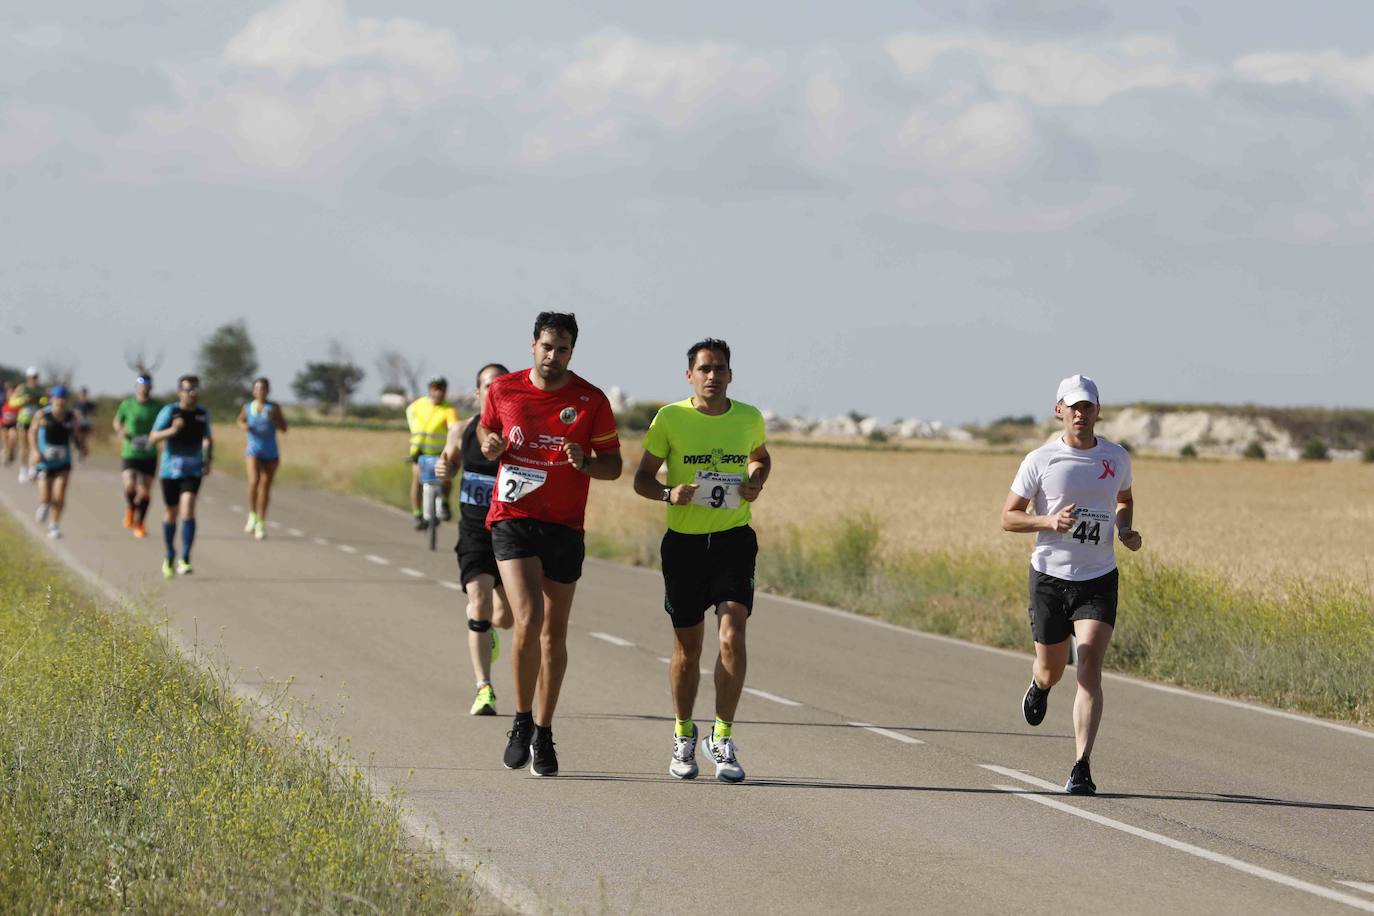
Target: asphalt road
888,771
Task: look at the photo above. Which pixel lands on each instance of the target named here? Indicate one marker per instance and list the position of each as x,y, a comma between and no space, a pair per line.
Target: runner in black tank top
462,459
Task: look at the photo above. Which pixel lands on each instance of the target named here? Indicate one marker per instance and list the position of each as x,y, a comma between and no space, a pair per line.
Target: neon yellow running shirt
712,452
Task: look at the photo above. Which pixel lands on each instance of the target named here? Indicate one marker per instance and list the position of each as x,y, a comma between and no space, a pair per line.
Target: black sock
522,717
129,498
544,732
140,510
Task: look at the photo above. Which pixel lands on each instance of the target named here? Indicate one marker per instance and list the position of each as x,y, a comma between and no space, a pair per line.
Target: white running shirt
1055,475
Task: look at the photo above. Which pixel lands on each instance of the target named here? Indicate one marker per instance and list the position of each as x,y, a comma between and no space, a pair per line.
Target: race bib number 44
514,482
716,490
1090,526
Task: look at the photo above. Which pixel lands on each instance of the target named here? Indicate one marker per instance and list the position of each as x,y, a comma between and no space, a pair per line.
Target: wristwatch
667,494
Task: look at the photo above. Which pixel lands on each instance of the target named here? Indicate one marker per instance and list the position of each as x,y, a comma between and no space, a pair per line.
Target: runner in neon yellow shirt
717,464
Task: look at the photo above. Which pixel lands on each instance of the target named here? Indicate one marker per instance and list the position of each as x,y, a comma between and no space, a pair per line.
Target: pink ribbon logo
1108,469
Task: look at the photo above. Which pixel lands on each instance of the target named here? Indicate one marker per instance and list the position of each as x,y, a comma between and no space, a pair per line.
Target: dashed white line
348,548
1023,777
274,524
1359,886
770,696
447,584
236,508
413,573
666,661
380,561
613,640
323,542
295,532
1245,867
887,733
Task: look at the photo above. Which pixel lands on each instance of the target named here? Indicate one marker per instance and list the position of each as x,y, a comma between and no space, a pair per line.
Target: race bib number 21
514,482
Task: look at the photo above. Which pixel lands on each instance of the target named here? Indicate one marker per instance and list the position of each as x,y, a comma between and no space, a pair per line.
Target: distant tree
329,383
11,373
1367,456
1187,451
877,437
227,364
1126,444
857,417
399,373
1254,451
1022,420
1314,449
57,372
138,361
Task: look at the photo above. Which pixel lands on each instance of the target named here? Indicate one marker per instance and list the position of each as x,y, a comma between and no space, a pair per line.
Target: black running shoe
420,523
445,513
1034,704
1080,780
545,760
518,747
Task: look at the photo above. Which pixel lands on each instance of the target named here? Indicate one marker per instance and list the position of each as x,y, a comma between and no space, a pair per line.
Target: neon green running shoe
495,647
167,570
184,568
485,704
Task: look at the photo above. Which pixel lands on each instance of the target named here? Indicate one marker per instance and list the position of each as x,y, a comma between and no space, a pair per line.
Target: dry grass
1253,523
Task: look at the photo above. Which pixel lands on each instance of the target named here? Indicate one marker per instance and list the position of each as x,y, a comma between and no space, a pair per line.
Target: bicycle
432,493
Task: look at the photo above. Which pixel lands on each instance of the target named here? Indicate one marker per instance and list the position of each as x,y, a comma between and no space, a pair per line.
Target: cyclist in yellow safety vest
430,418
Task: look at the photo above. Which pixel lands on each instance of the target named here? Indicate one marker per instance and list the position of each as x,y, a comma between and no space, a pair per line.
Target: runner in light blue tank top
261,419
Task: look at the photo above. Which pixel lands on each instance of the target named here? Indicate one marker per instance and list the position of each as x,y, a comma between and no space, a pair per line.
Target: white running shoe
23,474
54,532
684,765
249,525
722,753
41,515
259,530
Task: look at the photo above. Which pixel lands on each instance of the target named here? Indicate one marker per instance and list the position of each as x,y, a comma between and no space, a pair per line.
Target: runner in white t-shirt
1079,487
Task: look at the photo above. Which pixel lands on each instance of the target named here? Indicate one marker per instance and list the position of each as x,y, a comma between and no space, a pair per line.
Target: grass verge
1308,648
132,780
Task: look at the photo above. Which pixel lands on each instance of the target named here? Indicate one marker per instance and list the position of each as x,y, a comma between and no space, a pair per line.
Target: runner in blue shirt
187,450
261,419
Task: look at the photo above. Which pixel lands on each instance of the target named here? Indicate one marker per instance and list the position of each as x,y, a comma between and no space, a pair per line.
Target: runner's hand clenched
1131,539
682,494
494,446
1064,519
576,454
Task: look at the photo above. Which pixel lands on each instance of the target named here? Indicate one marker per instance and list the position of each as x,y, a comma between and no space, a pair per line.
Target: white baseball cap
32,371
1077,388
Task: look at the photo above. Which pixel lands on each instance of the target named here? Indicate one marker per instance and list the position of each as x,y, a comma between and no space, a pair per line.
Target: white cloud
1055,74
1329,68
301,35
987,139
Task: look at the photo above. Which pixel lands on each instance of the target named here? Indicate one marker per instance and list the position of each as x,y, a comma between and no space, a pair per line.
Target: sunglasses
190,388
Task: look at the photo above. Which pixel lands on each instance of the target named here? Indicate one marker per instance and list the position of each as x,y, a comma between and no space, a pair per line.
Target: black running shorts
475,554
701,571
173,487
1056,603
145,466
559,548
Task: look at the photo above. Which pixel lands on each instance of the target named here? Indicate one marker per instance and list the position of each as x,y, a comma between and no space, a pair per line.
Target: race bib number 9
476,489
1090,526
514,482
139,443
716,490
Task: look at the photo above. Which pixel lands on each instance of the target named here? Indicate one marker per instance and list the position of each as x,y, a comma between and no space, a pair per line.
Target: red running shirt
534,479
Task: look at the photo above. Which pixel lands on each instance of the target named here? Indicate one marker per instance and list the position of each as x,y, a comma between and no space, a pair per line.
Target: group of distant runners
523,466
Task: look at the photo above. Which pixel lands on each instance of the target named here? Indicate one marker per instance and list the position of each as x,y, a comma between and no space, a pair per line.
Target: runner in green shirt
717,464
133,421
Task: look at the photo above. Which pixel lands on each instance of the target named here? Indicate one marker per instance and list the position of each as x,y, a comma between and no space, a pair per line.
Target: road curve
889,771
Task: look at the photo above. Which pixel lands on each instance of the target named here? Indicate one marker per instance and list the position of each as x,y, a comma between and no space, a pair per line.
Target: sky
932,211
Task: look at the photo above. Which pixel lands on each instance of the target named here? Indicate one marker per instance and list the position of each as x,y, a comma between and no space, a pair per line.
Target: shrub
1187,451
1367,456
1315,450
1254,451
1126,444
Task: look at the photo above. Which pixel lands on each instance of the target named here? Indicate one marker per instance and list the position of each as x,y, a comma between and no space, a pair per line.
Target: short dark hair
193,379
263,379
558,322
710,343
502,369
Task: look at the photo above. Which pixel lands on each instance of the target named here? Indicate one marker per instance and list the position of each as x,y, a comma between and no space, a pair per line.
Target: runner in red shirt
552,432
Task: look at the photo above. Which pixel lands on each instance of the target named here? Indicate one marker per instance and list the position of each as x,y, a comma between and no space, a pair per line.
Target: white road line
1359,886
413,573
666,661
348,548
236,508
322,542
887,733
274,524
380,561
295,532
1024,777
613,640
447,584
1247,868
770,696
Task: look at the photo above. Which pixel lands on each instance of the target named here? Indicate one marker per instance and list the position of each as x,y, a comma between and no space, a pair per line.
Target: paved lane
946,801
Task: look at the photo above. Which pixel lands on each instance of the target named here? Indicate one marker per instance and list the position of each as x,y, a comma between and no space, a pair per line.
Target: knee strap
479,626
